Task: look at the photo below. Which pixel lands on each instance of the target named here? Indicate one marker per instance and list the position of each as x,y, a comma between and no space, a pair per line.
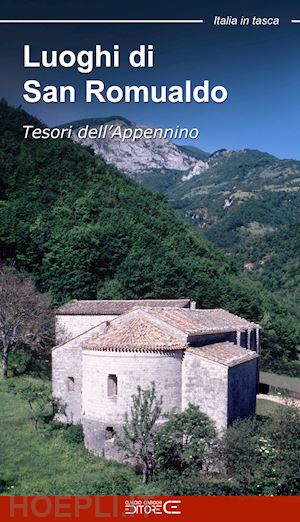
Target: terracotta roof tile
152,328
136,333
224,353
166,328
201,321
116,307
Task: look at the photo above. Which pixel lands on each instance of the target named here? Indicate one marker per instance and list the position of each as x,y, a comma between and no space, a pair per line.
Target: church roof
136,333
201,321
170,329
224,353
116,307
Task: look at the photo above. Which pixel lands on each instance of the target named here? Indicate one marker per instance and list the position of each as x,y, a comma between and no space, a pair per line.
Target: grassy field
280,381
265,407
45,463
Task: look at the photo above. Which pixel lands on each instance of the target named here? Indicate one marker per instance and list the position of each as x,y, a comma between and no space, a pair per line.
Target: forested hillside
248,202
274,259
85,231
237,199
241,194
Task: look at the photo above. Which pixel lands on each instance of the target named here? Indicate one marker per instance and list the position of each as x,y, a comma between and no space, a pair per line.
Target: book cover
149,260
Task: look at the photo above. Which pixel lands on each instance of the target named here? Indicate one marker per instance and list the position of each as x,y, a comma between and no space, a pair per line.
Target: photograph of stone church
209,358
147,349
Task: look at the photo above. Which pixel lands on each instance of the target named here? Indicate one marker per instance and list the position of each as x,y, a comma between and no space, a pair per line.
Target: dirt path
287,401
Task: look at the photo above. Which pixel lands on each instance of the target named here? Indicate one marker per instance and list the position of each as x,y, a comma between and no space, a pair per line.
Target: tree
185,440
26,320
137,439
282,451
42,406
240,451
263,458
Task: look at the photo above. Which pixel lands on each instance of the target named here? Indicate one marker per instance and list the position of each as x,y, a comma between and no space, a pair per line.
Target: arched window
112,385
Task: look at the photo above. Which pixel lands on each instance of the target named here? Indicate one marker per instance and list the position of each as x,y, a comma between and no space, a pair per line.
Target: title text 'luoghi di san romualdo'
86,61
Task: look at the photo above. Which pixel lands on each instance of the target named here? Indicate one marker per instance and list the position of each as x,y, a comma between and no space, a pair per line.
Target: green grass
280,381
45,463
267,408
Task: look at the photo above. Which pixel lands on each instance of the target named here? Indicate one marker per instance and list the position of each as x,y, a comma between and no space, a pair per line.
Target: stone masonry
205,357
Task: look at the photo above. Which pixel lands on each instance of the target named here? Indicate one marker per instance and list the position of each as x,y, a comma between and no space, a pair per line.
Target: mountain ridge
140,156
94,121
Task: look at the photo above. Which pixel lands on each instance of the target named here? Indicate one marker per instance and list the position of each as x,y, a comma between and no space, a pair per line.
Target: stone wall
69,326
132,369
205,384
67,362
206,339
242,387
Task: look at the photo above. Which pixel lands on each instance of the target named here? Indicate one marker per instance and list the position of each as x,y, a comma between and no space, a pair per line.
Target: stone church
105,349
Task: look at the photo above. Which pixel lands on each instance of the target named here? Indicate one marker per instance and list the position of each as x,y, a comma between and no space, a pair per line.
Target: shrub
29,364
192,482
114,481
185,440
73,433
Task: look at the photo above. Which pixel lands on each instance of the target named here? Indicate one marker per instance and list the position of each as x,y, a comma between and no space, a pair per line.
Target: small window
109,433
71,383
112,385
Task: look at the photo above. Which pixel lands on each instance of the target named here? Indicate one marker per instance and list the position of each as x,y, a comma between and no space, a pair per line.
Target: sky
259,66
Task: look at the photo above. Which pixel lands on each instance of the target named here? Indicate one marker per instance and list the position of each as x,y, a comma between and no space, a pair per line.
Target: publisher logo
152,507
